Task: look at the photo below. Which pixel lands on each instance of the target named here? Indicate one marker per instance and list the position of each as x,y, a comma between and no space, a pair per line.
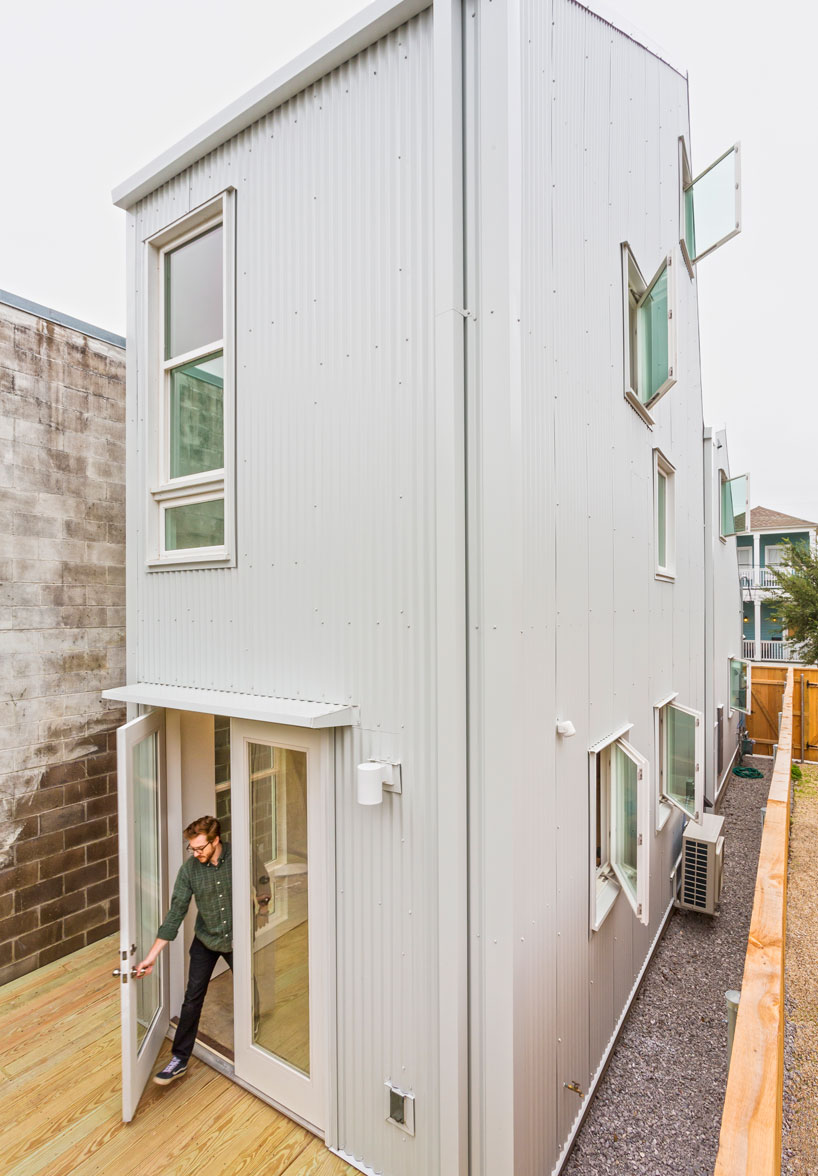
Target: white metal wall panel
603,639
332,596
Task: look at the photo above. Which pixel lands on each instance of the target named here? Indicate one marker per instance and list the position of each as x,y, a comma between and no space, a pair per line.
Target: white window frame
724,481
164,492
687,180
634,292
606,881
661,466
731,710
665,803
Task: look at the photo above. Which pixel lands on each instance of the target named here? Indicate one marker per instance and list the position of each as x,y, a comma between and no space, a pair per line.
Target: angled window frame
164,492
733,703
664,469
666,802
607,879
724,532
687,196
635,292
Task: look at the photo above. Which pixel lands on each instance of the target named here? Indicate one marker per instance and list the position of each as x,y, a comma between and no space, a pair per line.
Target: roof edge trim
292,712
62,320
356,34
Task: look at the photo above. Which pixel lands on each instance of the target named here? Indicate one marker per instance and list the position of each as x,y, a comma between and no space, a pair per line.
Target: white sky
92,90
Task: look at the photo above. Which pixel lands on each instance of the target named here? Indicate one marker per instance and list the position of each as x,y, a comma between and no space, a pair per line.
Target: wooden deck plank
60,1084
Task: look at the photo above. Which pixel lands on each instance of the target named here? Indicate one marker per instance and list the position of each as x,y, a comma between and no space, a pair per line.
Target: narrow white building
416,479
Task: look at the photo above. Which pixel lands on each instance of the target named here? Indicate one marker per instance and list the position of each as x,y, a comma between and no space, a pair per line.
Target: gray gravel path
657,1110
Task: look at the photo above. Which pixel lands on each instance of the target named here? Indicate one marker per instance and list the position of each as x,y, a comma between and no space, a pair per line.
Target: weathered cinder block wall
62,617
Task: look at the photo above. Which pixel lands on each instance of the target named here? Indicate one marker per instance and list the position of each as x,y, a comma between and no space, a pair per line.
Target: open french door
143,896
280,927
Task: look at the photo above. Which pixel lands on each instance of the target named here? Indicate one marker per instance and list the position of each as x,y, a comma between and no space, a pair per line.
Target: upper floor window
710,204
664,482
650,337
734,510
192,417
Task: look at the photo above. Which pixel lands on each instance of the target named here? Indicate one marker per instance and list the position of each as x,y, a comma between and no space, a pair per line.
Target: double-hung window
191,421
664,488
620,805
740,685
680,747
649,333
710,204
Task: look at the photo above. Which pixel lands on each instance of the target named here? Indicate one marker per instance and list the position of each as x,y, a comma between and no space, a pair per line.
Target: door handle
124,974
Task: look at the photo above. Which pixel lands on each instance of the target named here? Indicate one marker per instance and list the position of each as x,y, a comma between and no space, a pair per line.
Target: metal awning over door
294,712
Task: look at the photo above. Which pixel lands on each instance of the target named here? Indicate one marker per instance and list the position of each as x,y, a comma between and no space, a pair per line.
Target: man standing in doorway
205,876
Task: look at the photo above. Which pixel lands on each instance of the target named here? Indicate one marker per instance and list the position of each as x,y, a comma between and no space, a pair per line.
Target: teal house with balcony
760,551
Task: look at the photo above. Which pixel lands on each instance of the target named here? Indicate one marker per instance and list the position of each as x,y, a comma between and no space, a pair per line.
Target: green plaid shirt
212,888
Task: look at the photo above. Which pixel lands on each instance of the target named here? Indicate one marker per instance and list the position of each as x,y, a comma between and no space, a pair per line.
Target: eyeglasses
199,848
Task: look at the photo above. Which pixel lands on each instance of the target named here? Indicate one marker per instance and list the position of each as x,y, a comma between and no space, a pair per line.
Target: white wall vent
400,1108
702,864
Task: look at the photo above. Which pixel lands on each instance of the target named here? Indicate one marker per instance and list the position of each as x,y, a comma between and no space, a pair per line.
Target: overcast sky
92,90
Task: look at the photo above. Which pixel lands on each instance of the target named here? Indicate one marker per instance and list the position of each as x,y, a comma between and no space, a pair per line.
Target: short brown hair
207,825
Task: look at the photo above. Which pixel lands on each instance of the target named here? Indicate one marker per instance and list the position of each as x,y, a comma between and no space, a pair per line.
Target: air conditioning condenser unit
702,865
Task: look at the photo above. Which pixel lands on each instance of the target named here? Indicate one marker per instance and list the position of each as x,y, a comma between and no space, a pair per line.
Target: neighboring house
416,476
759,554
62,612
727,685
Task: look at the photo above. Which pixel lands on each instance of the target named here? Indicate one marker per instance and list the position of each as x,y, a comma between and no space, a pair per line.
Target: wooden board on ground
60,1081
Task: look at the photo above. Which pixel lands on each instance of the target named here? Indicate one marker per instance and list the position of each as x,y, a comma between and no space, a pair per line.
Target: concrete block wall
62,636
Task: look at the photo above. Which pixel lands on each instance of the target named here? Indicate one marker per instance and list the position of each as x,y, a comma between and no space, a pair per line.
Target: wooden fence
750,1139
767,688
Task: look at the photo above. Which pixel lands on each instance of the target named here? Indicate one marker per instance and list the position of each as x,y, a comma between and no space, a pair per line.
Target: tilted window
191,418
735,513
649,333
620,806
740,685
681,752
710,204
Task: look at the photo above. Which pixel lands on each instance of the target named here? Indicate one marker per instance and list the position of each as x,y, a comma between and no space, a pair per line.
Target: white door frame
303,1098
138,1061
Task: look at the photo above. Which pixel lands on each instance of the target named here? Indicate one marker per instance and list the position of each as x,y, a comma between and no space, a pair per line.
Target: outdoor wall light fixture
376,777
566,728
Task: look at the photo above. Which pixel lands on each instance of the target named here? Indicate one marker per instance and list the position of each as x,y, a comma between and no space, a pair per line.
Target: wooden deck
60,1093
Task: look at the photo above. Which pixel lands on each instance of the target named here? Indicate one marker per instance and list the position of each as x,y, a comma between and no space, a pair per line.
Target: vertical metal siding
604,640
333,593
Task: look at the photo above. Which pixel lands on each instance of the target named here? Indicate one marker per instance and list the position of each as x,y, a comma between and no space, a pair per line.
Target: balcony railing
774,651
753,577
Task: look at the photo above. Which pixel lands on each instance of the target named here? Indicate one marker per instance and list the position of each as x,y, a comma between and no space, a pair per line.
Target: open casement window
664,484
735,512
191,419
710,211
620,808
681,756
740,685
649,333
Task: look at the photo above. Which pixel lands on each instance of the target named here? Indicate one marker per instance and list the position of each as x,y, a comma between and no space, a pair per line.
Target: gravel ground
800,1142
657,1111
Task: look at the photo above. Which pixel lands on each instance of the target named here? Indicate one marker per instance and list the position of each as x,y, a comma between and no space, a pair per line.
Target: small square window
650,338
710,204
664,505
740,685
620,804
735,498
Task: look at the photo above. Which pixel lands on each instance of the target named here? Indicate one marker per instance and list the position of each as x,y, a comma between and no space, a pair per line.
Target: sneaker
174,1069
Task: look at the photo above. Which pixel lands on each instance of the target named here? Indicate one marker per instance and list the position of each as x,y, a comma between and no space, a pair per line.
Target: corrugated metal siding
333,593
603,639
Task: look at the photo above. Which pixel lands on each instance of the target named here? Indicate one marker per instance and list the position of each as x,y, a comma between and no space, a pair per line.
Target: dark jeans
202,963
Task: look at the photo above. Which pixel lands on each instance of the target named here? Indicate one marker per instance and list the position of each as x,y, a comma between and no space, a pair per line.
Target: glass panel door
143,887
280,939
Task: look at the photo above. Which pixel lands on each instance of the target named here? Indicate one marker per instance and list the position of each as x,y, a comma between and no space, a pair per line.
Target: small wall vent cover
400,1108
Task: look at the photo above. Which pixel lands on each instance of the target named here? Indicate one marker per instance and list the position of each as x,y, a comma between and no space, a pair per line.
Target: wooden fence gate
768,684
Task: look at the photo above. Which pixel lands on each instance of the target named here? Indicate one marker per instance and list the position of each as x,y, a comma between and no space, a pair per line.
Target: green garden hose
748,773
